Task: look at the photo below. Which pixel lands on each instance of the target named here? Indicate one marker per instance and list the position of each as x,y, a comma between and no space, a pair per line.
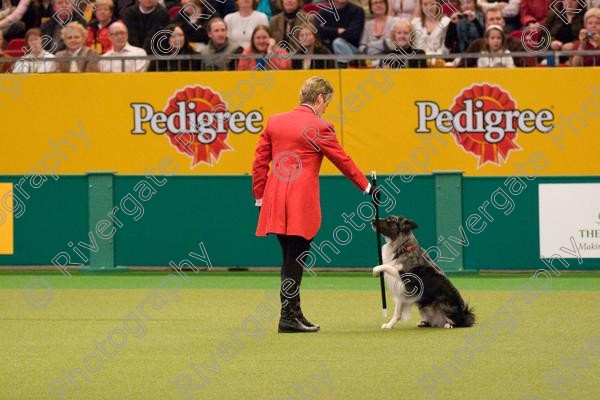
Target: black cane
381,279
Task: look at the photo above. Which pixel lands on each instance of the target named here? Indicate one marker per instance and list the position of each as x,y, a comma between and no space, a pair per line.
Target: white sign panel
570,210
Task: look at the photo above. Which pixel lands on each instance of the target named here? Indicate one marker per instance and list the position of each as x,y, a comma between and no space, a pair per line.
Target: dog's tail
468,317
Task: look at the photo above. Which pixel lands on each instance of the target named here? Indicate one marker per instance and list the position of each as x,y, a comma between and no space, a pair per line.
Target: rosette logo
485,122
196,122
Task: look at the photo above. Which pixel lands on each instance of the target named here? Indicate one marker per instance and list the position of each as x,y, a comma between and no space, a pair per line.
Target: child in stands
495,49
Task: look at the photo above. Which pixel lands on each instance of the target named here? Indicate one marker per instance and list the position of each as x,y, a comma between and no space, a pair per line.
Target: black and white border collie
413,278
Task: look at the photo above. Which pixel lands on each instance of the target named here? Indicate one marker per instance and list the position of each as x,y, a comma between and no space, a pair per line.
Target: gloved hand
375,194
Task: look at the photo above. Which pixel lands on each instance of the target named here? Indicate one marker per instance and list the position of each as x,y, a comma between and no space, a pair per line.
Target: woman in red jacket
294,143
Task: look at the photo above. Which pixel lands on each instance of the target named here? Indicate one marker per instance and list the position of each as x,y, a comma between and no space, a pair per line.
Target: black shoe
293,325
300,316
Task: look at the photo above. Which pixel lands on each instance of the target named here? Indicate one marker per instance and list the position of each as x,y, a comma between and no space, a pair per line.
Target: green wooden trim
100,191
448,216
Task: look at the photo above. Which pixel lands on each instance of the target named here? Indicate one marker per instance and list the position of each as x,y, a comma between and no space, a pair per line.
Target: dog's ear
407,225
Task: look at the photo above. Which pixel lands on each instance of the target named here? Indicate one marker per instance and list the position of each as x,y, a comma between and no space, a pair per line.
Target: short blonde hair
313,87
592,12
73,26
397,25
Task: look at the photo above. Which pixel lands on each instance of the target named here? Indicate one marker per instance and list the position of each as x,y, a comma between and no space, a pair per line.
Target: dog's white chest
387,253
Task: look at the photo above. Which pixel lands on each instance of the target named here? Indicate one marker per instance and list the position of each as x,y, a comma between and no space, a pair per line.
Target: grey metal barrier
197,62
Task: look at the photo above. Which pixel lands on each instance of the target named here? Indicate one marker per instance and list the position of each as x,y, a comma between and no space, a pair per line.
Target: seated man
217,54
493,16
63,13
143,20
120,47
510,11
341,31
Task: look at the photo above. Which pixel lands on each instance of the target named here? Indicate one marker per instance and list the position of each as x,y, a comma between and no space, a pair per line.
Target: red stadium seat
15,47
517,33
310,7
173,11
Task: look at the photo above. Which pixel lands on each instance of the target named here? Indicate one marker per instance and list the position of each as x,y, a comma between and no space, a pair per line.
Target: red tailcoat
296,142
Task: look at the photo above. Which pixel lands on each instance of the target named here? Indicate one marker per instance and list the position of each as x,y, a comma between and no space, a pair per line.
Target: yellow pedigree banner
127,123
6,219
483,122
534,121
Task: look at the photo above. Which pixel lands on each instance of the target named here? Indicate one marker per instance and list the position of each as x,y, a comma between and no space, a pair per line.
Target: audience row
269,32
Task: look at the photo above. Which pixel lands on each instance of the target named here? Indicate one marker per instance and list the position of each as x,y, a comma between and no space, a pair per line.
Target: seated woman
400,44
495,48
178,46
241,23
377,28
97,31
431,27
283,23
14,20
403,9
192,19
563,35
261,43
589,39
37,60
312,43
73,35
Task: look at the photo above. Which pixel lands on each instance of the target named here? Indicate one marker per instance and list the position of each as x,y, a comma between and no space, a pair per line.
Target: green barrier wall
511,241
219,212
55,214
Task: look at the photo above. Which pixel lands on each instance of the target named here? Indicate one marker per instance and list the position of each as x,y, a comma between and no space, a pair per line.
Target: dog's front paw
448,326
423,324
377,270
388,325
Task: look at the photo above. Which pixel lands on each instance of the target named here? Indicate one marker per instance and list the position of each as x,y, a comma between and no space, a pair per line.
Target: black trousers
291,270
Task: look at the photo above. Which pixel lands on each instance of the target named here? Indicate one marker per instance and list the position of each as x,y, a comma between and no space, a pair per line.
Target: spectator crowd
63,35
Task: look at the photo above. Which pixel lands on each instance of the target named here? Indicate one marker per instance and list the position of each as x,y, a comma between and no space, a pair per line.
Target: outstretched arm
332,149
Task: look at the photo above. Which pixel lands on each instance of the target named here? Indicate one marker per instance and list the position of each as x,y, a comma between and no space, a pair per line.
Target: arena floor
138,336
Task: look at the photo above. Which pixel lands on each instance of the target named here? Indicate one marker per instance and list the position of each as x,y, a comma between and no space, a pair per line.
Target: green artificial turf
529,343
